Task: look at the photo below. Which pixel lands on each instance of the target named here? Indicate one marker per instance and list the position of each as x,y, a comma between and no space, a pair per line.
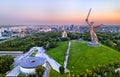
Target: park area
82,57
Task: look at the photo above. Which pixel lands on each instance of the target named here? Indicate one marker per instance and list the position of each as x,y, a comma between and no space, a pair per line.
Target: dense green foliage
5,63
103,71
27,75
40,71
62,70
31,75
47,40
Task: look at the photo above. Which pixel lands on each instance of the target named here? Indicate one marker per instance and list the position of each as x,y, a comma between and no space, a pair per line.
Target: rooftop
32,62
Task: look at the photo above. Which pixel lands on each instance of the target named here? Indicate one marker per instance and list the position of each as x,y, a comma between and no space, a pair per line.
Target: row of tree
49,40
100,71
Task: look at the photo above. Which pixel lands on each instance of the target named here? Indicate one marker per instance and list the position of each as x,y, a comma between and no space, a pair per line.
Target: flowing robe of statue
93,35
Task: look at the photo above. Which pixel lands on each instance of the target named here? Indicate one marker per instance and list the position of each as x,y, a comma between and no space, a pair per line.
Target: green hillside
83,57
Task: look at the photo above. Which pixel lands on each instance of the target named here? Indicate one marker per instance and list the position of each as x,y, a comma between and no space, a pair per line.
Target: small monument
64,34
94,39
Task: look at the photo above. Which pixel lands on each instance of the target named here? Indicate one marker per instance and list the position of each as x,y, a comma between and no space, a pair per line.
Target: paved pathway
54,64
47,71
66,57
14,72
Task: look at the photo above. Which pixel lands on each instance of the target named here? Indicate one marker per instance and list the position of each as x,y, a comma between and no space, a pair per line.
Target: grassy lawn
53,73
83,57
58,53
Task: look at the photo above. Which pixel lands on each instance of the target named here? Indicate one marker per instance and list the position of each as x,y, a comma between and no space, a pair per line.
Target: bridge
12,53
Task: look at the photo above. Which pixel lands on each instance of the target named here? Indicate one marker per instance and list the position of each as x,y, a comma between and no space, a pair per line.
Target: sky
59,11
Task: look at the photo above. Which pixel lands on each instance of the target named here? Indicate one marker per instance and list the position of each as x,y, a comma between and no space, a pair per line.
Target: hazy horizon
61,12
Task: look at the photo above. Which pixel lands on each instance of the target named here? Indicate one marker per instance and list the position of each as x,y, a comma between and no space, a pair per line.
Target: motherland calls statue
94,39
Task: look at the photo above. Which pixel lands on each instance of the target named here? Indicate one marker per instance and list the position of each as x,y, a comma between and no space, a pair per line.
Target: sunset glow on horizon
59,11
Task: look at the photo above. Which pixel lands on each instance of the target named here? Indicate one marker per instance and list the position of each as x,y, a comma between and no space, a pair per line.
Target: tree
31,75
40,70
5,63
62,70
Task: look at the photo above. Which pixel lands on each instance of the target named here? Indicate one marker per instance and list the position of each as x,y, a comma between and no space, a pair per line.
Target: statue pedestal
93,44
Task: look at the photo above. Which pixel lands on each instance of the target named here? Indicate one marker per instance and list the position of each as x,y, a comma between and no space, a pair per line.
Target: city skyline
59,11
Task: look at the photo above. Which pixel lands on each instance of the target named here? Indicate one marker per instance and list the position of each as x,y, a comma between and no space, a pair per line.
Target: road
12,53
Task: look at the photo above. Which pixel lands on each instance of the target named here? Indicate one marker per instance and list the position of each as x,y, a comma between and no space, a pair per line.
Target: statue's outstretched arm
96,27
